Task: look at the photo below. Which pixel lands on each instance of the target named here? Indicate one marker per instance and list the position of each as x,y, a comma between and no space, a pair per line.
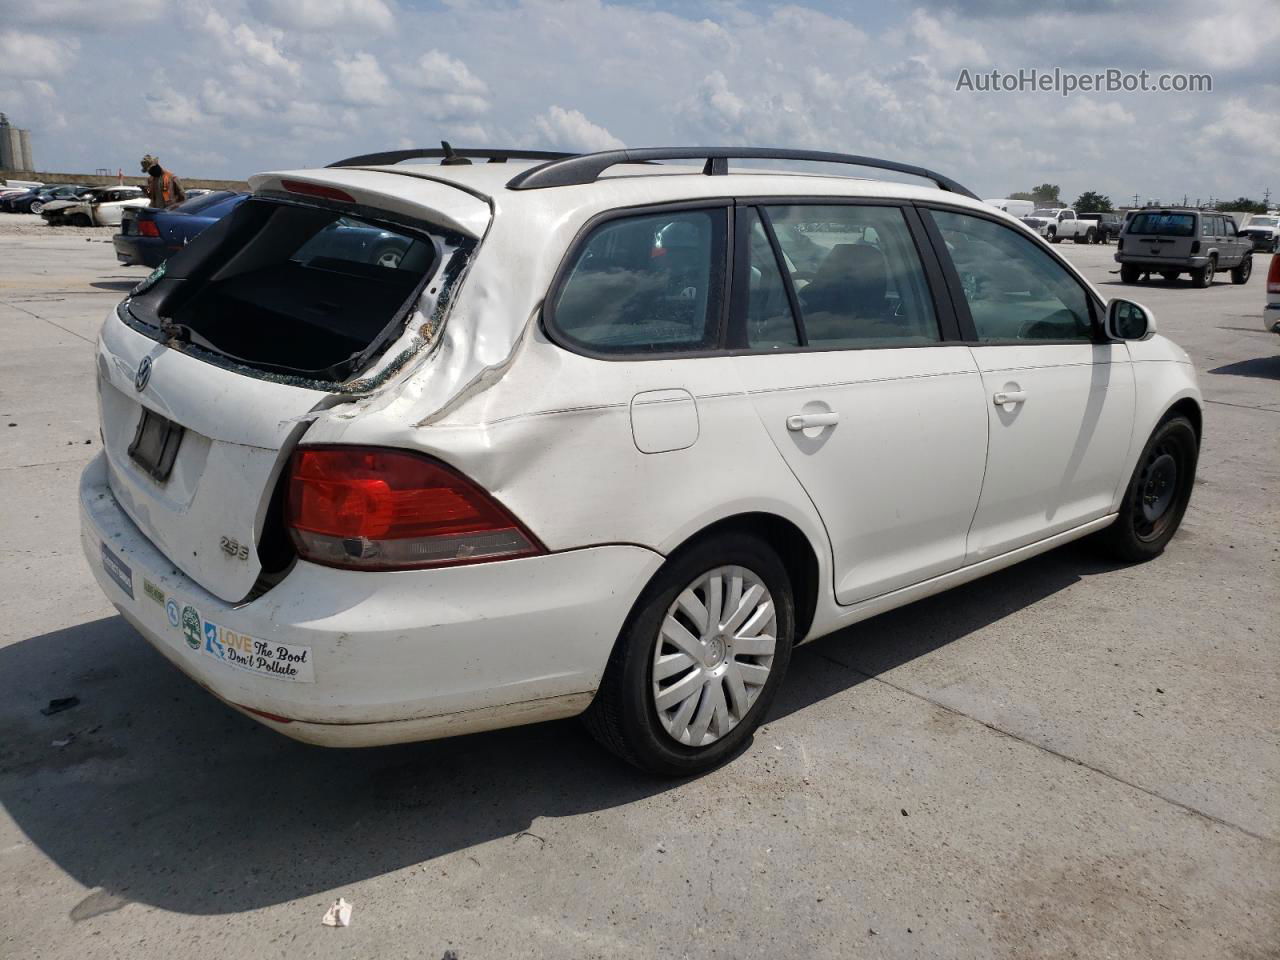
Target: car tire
1053,236
629,714
1204,276
1169,276
1129,273
1087,238
35,207
1241,272
81,220
1157,495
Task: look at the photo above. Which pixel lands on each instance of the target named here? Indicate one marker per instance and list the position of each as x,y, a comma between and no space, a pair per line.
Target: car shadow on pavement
1263,368
164,796
122,285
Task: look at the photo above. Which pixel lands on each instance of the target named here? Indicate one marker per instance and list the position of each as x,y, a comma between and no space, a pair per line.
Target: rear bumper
1162,263
391,657
1271,318
142,251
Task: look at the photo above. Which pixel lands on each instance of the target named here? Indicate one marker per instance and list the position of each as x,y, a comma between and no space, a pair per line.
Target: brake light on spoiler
371,508
317,190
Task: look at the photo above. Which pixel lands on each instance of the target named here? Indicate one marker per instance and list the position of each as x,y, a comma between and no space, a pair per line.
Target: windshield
1164,224
1264,221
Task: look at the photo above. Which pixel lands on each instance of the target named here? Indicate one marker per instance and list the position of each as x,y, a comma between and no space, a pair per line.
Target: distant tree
1021,195
1091,202
1045,193
1243,205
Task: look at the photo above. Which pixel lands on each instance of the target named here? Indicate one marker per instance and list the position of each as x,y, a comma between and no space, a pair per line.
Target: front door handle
1009,396
803,421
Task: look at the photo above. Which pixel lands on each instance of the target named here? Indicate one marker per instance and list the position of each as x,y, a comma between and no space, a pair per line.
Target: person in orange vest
163,188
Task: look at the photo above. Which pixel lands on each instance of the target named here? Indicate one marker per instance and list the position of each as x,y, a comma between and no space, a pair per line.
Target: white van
1015,208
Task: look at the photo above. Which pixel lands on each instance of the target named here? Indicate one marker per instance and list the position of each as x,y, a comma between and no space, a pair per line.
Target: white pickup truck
1058,223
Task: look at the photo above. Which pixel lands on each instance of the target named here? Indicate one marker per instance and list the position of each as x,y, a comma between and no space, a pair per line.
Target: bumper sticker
283,661
118,571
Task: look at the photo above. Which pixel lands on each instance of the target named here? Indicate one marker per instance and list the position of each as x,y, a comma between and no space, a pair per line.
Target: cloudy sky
227,88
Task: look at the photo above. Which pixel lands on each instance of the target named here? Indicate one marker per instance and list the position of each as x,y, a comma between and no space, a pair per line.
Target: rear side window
857,276
1014,289
1164,224
652,283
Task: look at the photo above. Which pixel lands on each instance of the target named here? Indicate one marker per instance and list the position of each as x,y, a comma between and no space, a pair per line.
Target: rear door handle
803,421
1009,396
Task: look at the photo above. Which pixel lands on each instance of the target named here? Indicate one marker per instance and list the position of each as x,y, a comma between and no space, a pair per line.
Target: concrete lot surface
1066,759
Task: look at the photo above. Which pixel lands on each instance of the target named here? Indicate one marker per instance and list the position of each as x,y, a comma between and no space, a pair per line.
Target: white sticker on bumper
267,658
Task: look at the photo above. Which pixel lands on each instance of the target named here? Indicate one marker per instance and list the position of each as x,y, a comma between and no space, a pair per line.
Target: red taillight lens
148,228
366,508
1273,275
317,190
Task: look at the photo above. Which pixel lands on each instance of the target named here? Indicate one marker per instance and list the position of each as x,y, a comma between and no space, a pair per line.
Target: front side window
1014,289
857,275
646,284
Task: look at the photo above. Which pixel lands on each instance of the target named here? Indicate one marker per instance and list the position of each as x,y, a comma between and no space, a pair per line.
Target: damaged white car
100,207
611,436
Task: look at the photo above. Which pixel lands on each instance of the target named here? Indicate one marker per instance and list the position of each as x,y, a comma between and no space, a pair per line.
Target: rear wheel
699,660
1129,273
1240,274
1204,276
1087,238
1157,495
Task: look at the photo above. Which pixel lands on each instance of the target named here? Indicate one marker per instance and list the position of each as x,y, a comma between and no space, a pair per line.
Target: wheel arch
1186,407
795,549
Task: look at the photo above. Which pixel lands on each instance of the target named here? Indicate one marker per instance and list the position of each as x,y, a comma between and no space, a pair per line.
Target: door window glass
1015,290
770,324
648,283
857,275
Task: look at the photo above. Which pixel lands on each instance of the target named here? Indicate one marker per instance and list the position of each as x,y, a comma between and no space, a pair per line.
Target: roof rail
587,167
448,155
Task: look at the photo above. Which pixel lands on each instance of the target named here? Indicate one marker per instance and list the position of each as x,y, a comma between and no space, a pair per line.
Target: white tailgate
237,436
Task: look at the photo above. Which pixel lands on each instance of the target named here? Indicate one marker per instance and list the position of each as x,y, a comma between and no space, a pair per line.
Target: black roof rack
587,167
448,156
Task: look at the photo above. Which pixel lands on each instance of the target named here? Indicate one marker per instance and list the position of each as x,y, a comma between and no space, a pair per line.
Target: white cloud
454,91
362,81
325,15
33,55
570,130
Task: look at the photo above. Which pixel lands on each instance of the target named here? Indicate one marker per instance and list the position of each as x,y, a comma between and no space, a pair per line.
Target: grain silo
10,146
24,142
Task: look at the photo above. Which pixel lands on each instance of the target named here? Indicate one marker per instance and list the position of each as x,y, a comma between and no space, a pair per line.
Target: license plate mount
155,444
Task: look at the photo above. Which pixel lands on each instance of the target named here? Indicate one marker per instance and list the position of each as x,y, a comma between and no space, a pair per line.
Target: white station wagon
610,437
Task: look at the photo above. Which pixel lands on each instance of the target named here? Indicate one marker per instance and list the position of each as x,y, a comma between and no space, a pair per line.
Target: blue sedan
152,234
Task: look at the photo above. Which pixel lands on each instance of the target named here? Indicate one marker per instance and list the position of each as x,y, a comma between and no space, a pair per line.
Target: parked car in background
34,201
1271,312
1106,225
1056,224
199,192
1263,231
1174,241
149,235
105,207
598,441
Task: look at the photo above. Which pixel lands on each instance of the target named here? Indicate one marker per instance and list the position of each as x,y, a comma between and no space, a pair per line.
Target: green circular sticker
191,626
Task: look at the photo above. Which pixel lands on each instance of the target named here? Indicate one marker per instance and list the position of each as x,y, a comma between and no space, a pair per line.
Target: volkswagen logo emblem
143,375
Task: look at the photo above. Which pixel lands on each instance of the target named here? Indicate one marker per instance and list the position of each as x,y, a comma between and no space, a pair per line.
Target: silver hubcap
389,259
713,655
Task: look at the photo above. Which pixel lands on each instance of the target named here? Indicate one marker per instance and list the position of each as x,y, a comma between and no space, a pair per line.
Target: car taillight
148,228
317,190
1273,275
1195,247
366,508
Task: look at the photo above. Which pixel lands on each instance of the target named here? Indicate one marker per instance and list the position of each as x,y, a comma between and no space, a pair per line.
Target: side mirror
1127,320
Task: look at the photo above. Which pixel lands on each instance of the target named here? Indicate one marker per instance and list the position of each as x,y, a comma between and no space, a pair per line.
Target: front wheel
1157,495
1240,273
1169,275
699,659
36,207
1053,236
